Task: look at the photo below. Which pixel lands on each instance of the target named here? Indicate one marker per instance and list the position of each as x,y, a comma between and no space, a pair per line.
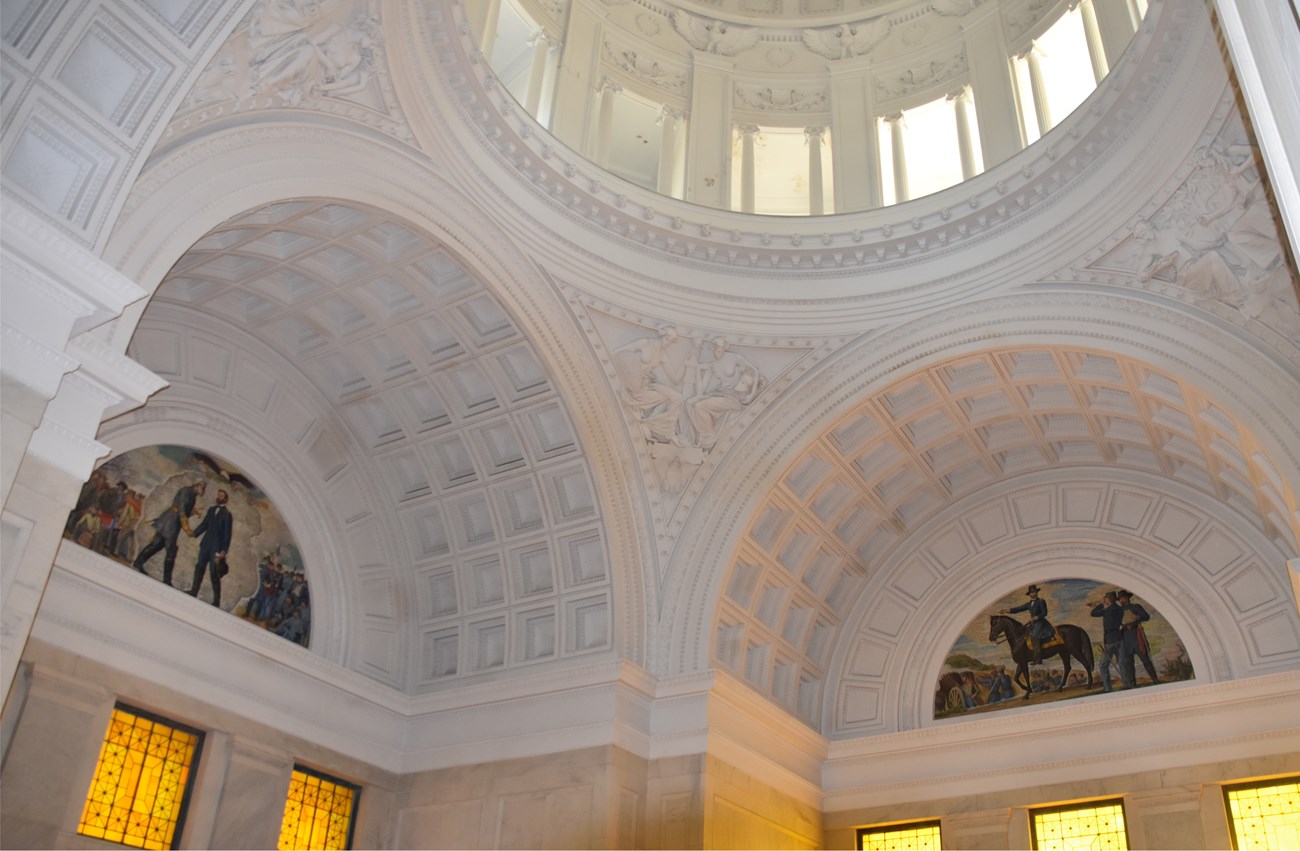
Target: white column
1116,23
1264,42
1092,34
608,91
960,106
1038,90
537,72
856,155
668,118
487,37
992,84
708,135
898,150
575,84
816,199
747,134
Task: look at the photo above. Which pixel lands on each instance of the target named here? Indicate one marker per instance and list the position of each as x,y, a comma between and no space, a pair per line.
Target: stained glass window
1265,815
142,782
1094,826
318,812
912,836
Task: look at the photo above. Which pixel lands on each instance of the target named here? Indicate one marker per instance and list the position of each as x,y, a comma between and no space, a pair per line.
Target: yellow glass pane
136,795
901,837
317,813
1087,828
1267,816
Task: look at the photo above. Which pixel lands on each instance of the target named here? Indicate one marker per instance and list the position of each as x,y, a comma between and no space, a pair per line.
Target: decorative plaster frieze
933,75
661,74
768,99
1210,237
713,36
848,40
331,60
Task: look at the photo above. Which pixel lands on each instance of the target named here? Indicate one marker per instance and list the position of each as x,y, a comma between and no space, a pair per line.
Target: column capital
609,85
811,133
748,129
673,112
962,94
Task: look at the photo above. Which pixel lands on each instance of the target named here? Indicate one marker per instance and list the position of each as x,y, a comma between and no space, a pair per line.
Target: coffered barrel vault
631,522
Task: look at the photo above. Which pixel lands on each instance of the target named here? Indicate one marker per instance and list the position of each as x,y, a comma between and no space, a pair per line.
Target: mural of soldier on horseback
1014,649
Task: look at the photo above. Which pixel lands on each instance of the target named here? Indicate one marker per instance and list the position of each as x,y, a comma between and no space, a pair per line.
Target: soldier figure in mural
168,527
1041,635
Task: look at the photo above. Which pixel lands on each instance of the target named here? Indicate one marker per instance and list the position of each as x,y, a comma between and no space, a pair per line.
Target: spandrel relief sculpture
1216,239
288,53
682,393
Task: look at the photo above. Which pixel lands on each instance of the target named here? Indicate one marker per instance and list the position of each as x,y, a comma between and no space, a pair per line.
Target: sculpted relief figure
290,49
302,43
653,371
682,393
1217,238
728,383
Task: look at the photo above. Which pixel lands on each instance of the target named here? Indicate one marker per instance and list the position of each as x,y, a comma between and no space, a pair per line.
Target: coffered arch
903,425
311,172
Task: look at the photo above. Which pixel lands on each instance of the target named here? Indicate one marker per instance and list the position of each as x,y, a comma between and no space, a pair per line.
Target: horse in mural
1075,643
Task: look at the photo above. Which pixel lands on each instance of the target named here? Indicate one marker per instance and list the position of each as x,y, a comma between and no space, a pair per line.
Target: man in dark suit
215,531
168,527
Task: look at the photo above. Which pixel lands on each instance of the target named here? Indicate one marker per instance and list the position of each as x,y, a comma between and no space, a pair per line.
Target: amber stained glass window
318,812
1265,815
1095,826
912,836
142,781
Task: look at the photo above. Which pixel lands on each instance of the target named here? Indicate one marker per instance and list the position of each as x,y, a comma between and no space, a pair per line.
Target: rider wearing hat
1040,631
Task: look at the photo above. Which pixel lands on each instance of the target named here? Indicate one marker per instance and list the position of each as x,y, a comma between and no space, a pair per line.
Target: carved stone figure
298,45
846,41
652,370
683,392
714,36
729,383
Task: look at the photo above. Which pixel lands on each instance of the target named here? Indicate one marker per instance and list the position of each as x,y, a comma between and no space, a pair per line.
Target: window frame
913,824
1280,780
1072,806
319,774
186,793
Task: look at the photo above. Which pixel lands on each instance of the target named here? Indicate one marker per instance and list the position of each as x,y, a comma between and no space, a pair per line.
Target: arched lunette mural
192,520
1095,638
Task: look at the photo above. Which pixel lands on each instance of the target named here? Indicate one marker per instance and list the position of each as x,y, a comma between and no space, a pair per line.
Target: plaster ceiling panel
289,286
279,245
441,275
335,219
392,297
548,432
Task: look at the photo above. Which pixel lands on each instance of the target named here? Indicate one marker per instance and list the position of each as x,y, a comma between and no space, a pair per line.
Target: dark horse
1077,644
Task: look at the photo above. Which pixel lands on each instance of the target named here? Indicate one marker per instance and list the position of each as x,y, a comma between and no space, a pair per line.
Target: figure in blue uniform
1040,631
